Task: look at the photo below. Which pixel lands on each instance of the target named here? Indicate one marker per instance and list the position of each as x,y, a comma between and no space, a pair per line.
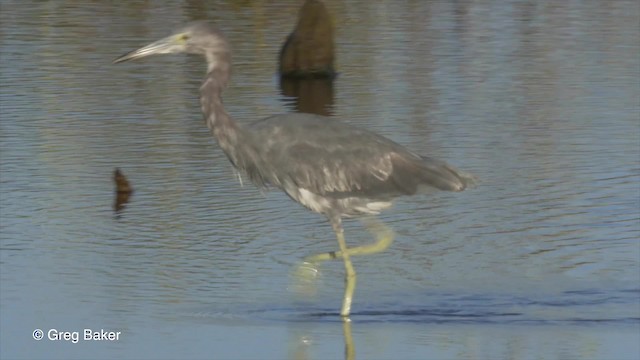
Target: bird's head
199,38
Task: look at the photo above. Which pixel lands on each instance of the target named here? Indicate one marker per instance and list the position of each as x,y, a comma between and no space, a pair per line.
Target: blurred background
539,99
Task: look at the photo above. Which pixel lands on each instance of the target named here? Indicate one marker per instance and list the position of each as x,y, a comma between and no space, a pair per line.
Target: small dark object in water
122,184
123,190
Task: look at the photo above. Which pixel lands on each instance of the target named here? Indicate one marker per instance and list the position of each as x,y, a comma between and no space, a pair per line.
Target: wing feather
333,159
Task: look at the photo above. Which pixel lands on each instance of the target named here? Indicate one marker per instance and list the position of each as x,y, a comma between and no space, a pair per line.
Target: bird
323,163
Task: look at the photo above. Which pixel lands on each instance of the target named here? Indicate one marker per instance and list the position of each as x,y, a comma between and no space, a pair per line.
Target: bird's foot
305,277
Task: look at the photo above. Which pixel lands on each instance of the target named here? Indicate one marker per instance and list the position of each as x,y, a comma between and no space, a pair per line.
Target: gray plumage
330,166
327,165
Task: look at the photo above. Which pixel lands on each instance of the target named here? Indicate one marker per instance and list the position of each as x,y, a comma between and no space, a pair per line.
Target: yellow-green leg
307,271
384,238
350,273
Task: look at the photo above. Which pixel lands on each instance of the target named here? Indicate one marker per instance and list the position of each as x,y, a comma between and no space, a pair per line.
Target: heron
327,165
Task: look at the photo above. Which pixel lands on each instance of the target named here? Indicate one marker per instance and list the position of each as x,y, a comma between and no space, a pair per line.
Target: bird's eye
184,37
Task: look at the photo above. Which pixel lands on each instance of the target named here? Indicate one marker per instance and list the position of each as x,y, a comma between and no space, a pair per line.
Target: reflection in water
311,95
459,323
349,349
303,339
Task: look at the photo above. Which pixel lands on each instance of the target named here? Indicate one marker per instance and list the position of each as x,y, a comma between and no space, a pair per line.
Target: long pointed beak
162,46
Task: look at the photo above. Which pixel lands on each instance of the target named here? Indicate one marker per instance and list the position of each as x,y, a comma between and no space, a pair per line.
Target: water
541,100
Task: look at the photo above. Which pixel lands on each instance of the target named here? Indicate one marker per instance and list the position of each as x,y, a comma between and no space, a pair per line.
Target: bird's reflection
314,95
349,349
303,340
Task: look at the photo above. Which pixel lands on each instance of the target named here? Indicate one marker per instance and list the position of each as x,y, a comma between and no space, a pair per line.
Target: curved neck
230,136
215,116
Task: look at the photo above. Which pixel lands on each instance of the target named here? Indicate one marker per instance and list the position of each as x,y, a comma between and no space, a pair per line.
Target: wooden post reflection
311,95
